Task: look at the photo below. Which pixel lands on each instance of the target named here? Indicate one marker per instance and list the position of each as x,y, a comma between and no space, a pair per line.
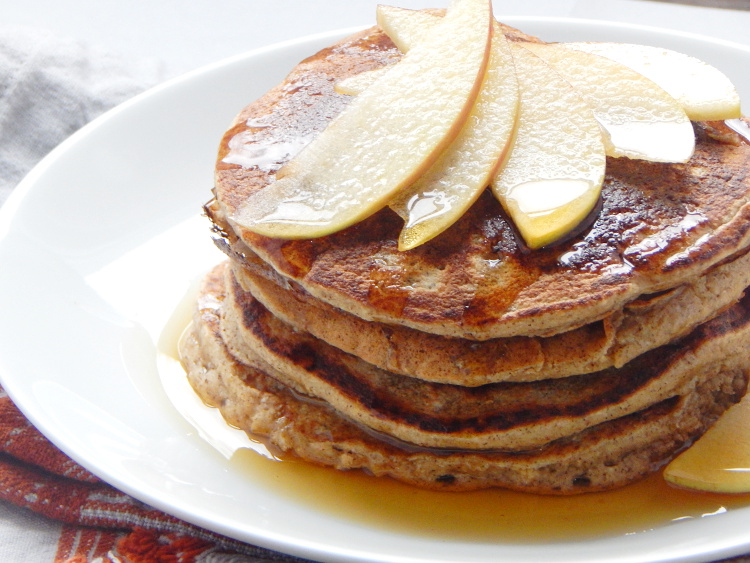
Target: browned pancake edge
602,457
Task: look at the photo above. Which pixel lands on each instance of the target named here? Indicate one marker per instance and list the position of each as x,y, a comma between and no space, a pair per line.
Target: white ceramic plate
98,248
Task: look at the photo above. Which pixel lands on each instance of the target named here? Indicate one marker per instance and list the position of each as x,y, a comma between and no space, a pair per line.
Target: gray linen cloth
49,87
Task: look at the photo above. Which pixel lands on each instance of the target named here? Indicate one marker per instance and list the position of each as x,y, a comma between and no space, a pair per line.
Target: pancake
603,456
659,226
507,416
644,324
472,361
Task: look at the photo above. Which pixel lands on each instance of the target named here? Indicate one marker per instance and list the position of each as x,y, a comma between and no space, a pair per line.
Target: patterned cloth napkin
49,88
91,521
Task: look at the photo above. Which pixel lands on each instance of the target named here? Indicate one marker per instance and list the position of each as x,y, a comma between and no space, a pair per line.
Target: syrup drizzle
493,515
245,151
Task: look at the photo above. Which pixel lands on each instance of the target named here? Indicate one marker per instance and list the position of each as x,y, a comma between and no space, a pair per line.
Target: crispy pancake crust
602,457
660,225
644,324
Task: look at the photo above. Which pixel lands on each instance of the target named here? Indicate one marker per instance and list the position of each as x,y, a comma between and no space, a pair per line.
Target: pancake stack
472,361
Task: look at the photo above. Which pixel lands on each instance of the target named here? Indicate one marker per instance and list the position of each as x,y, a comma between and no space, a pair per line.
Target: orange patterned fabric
101,524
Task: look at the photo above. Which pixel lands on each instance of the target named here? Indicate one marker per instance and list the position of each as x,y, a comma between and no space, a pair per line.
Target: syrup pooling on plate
489,515
709,465
493,515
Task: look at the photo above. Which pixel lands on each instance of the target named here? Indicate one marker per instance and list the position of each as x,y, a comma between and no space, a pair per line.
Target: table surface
187,35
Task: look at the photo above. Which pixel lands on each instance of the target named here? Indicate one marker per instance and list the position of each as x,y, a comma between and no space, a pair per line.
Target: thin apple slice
355,85
385,139
720,460
703,91
440,197
553,177
642,121
444,193
405,27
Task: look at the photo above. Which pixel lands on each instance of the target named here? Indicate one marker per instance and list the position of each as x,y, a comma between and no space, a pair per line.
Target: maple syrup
483,516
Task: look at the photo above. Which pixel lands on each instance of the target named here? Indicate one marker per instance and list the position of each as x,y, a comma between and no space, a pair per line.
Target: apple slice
385,139
553,177
355,85
705,93
640,118
720,460
405,27
444,193
440,197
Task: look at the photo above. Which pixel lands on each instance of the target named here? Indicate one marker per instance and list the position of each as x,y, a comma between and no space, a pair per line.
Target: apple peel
567,194
405,28
642,120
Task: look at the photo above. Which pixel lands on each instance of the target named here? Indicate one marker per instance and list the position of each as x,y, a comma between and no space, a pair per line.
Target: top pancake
659,226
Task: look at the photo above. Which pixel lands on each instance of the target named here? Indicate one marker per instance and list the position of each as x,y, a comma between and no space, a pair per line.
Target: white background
188,34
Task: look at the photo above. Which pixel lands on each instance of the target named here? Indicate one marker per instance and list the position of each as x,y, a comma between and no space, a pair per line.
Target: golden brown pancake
506,416
646,323
471,361
603,456
659,226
